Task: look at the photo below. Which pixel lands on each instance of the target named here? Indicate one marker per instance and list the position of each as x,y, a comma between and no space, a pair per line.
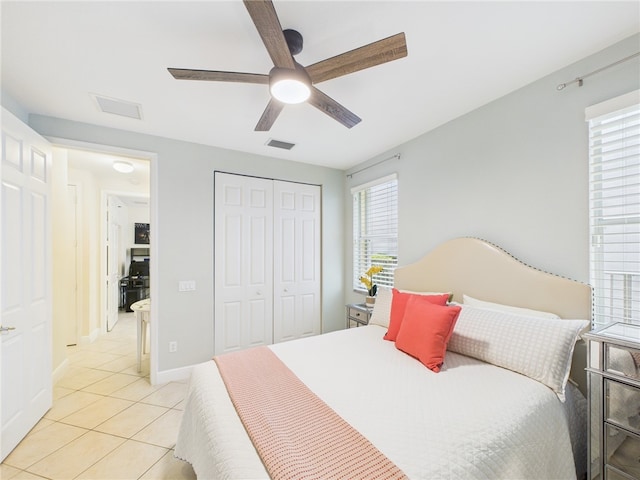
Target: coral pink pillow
399,304
425,331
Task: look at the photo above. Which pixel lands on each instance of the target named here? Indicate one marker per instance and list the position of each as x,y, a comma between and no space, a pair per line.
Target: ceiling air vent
118,107
280,144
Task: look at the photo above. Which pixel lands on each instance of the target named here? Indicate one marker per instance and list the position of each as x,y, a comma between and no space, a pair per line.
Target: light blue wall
514,172
184,202
13,106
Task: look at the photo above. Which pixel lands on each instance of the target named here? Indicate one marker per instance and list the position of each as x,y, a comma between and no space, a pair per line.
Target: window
614,206
375,230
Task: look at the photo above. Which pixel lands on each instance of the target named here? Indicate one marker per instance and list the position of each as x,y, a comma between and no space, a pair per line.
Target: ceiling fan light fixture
290,91
298,86
289,86
122,167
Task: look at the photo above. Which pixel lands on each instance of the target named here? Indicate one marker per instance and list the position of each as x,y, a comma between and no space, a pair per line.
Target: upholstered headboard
482,270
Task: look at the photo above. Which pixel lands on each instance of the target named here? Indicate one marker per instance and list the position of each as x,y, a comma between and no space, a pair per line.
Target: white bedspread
470,421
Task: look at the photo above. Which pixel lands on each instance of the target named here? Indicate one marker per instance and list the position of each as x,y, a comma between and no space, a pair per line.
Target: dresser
614,402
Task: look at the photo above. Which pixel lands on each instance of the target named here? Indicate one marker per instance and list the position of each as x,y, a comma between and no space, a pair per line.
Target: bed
483,415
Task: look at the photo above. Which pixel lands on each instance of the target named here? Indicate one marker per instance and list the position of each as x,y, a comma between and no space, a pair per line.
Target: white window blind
375,230
614,195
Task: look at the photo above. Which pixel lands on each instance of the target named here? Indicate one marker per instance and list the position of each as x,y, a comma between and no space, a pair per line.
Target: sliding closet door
296,309
243,262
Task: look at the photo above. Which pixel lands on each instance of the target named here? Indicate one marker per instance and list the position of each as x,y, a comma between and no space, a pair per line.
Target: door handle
6,329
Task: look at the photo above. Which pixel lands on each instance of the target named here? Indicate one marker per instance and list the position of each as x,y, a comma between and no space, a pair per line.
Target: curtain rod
397,155
579,80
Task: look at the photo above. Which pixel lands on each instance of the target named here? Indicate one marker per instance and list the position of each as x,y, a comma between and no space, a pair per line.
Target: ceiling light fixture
123,167
289,86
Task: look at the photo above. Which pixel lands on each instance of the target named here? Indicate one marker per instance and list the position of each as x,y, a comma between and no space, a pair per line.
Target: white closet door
243,262
297,224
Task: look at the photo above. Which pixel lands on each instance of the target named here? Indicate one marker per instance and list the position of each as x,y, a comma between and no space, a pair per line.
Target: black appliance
135,286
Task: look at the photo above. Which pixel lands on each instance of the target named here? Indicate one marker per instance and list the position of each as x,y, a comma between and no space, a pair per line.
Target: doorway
127,253
107,203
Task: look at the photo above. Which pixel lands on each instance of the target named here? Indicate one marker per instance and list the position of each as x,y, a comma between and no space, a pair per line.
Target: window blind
614,197
375,230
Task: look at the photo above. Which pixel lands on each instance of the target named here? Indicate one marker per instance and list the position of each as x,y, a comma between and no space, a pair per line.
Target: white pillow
382,308
467,300
540,348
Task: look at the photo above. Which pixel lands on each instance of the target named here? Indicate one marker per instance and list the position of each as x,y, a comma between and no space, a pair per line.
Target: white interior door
114,229
26,299
243,262
297,226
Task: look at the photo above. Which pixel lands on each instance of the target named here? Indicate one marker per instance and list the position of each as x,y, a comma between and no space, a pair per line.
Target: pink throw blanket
296,434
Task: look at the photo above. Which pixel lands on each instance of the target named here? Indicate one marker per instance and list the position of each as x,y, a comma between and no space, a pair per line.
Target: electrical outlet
173,347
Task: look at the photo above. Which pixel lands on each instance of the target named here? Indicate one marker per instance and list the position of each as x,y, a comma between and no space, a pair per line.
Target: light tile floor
107,421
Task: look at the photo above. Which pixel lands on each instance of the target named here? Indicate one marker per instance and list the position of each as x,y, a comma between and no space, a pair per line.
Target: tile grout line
72,390
115,435
154,464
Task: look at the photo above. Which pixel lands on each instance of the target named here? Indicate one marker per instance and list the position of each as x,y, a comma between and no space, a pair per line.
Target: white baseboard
59,372
87,339
173,375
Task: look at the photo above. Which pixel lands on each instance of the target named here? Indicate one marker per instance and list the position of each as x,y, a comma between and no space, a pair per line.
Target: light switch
186,285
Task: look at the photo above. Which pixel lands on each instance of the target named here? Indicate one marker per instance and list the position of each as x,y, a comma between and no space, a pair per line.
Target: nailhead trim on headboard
535,268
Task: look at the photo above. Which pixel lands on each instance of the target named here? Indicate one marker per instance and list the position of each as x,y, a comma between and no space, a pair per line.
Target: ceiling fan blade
265,18
274,107
376,53
332,108
214,76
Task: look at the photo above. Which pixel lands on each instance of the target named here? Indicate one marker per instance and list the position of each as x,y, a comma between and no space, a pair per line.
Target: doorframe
77,257
104,226
152,157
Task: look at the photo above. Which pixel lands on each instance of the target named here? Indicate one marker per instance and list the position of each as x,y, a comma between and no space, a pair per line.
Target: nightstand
358,314
614,402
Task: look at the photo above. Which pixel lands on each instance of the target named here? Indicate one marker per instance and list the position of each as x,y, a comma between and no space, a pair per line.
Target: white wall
513,172
184,230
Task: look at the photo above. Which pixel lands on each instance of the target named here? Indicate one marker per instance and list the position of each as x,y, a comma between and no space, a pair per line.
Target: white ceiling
132,188
461,55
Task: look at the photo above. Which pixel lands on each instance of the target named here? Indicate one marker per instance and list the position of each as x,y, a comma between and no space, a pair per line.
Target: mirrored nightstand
614,402
357,314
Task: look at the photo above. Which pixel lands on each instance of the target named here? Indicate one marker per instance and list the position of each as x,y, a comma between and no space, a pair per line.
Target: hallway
107,421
